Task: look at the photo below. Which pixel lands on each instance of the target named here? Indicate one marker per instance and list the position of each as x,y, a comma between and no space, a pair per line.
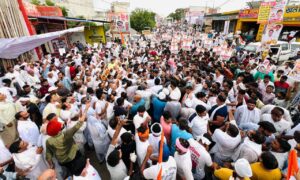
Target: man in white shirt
183,159
168,166
142,117
276,118
7,120
201,100
198,121
226,141
175,93
200,156
28,130
157,87
247,115
114,162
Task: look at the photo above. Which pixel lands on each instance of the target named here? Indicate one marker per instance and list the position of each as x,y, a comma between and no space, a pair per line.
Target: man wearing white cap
242,171
155,137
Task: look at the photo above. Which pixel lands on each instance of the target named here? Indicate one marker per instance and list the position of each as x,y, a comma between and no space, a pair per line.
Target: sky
165,7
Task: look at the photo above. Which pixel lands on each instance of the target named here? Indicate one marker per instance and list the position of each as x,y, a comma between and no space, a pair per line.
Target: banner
295,73
249,13
226,27
120,21
271,33
276,13
264,11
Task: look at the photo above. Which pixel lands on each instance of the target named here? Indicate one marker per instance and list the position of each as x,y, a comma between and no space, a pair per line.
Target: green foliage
178,14
36,2
64,11
76,24
106,27
141,18
49,3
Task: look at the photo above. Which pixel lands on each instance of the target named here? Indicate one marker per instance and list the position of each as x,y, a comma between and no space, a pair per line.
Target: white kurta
28,131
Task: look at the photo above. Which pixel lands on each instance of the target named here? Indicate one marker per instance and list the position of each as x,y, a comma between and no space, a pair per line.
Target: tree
178,14
141,18
49,3
64,11
36,2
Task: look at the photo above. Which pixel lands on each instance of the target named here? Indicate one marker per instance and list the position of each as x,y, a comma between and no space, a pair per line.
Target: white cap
242,86
243,168
203,139
162,95
52,88
24,99
158,133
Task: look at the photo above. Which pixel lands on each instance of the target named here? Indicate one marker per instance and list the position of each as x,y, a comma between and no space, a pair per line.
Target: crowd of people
207,117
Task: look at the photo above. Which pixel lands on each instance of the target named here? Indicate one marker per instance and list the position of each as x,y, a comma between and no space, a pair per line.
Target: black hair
50,116
15,146
166,114
113,123
141,109
157,81
183,125
284,145
269,161
200,94
233,130
113,158
267,126
297,136
120,101
258,137
90,90
126,137
200,108
18,115
156,128
221,98
184,143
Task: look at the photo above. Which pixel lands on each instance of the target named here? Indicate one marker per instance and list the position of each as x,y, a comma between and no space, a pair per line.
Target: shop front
247,24
225,22
291,23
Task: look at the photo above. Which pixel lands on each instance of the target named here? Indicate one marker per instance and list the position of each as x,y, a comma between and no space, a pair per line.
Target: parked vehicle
281,51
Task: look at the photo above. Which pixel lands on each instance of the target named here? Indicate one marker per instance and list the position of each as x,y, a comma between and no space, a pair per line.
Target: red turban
53,127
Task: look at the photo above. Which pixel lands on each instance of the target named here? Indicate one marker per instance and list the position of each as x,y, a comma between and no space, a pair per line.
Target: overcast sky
165,7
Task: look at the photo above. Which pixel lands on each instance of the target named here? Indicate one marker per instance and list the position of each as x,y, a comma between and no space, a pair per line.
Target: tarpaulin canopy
13,47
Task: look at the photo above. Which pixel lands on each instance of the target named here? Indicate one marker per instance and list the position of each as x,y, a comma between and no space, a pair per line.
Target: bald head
49,174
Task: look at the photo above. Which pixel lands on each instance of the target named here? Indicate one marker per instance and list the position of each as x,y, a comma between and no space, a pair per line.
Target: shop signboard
225,18
292,13
249,13
264,11
38,11
94,34
276,13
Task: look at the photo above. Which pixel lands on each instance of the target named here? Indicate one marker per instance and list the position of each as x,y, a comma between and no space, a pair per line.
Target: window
284,47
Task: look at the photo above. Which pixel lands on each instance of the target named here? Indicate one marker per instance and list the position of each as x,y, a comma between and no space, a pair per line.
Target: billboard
120,21
94,34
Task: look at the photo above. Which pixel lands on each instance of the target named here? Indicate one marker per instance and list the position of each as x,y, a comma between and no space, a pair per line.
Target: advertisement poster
226,27
264,11
120,21
94,34
295,73
271,33
277,11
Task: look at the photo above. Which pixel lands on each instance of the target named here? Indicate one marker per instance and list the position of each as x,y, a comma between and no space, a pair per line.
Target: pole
28,24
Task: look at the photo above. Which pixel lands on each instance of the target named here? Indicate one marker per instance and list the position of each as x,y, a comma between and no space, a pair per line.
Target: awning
66,19
13,47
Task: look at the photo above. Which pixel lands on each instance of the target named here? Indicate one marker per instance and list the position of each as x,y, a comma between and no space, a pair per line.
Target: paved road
101,168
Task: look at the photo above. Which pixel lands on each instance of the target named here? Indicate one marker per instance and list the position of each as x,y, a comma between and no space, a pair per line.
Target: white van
281,51
295,47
